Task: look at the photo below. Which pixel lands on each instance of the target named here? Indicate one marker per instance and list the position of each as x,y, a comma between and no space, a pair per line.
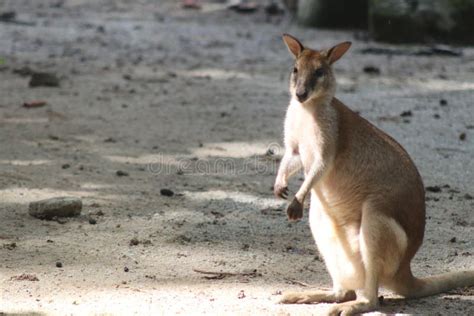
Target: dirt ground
192,101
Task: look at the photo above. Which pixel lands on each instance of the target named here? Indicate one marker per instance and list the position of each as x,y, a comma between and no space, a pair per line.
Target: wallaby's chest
303,133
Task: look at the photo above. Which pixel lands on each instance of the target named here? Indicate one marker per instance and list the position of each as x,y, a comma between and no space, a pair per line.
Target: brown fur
367,210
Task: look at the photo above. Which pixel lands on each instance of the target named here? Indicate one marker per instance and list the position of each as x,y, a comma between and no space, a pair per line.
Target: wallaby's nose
302,95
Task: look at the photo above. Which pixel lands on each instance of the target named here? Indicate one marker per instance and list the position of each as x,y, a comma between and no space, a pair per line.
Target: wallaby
367,208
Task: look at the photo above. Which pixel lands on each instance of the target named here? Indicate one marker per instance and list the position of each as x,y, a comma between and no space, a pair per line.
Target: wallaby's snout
301,94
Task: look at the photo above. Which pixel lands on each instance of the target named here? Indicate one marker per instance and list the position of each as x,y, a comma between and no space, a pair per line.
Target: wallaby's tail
441,283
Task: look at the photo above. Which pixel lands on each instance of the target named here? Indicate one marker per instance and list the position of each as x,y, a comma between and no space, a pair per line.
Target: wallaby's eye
295,70
319,72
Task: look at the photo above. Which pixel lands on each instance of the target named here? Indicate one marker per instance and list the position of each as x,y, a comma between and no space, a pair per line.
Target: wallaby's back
369,164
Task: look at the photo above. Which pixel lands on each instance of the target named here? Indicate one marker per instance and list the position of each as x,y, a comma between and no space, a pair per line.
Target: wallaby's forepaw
351,308
295,210
280,191
296,298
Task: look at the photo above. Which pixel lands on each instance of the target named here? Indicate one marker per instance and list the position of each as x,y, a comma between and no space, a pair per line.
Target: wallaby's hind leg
381,242
309,297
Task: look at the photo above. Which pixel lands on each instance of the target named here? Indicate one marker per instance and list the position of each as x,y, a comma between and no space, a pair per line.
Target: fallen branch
220,275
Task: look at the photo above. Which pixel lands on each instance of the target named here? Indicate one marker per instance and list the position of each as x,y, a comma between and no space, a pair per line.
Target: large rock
56,207
333,13
408,21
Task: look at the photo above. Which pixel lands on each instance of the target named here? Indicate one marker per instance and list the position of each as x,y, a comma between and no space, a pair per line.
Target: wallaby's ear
294,46
337,51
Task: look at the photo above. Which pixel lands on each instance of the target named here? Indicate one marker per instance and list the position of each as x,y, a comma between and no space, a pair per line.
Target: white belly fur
342,261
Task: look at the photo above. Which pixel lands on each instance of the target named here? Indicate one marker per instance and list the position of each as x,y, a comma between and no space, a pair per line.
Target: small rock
126,269
462,136
44,79
372,70
92,221
9,246
241,295
134,241
435,189
452,239
467,196
406,114
443,102
59,264
121,173
34,104
56,207
66,166
7,16
166,192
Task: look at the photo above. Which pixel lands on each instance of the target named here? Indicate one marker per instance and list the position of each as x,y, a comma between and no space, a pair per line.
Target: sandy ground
192,101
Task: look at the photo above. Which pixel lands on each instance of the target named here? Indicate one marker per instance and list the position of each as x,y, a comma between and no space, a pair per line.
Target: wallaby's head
312,75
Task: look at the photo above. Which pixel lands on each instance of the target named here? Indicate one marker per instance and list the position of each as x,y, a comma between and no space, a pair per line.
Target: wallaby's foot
280,191
352,308
317,297
295,210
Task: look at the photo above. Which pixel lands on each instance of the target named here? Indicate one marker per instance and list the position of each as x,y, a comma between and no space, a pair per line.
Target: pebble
372,70
166,192
134,241
434,189
121,173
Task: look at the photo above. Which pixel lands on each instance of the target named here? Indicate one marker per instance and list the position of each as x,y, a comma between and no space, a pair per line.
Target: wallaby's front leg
295,209
290,164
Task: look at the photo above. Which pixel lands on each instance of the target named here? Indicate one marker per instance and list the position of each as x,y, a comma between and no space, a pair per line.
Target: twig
297,282
221,275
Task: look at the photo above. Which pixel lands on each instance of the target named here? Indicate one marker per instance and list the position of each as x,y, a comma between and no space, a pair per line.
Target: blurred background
165,120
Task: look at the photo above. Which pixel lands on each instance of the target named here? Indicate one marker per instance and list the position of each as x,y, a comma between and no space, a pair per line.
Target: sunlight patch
25,162
216,74
235,196
145,159
236,149
25,195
